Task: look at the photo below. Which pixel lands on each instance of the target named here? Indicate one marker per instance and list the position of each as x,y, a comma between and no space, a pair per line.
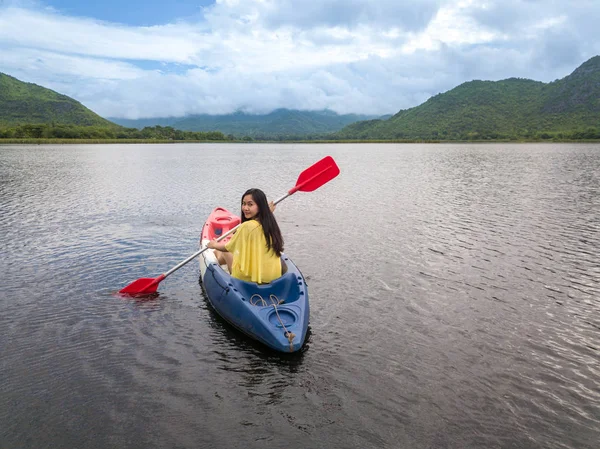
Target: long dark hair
266,218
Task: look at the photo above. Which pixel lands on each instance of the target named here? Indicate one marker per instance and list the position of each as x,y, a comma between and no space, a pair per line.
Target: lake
454,292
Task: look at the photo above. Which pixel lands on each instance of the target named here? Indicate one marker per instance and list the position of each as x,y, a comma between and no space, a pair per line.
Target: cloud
61,65
258,55
341,13
57,33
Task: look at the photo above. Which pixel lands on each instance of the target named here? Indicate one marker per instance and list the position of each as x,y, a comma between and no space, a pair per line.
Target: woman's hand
214,244
272,206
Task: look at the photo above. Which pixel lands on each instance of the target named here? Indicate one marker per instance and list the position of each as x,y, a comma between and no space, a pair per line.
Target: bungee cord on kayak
275,302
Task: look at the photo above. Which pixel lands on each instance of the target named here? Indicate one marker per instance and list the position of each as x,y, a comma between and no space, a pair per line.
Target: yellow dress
252,261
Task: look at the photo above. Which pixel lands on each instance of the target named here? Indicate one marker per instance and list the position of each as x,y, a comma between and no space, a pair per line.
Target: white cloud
451,26
59,64
335,13
257,55
54,32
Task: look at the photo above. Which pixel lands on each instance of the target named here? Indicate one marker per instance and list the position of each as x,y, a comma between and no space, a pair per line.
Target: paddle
310,179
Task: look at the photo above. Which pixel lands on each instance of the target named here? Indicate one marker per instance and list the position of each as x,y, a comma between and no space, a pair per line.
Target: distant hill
279,123
509,108
27,103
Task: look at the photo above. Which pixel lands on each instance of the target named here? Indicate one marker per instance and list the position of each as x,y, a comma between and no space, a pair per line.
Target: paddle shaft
197,253
310,179
232,230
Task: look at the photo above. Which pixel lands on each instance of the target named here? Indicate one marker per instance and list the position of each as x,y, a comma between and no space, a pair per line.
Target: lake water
455,298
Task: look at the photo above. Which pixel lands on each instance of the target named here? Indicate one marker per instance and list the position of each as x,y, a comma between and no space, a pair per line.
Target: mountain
279,123
27,103
510,108
578,92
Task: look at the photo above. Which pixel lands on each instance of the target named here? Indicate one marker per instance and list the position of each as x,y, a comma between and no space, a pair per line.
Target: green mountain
279,123
27,103
511,108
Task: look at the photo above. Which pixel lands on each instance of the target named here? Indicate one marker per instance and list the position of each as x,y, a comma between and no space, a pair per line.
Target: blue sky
139,59
134,13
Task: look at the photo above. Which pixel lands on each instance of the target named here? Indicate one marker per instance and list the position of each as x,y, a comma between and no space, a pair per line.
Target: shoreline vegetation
70,134
42,141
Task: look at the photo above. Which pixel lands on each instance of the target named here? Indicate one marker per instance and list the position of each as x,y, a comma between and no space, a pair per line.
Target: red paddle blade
143,286
316,175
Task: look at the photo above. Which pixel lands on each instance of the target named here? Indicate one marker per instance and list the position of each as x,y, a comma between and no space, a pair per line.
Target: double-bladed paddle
310,179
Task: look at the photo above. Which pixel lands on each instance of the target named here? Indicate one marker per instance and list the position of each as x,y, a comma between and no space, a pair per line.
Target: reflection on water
454,298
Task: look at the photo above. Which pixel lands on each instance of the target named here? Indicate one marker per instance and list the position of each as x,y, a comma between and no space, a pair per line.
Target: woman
253,253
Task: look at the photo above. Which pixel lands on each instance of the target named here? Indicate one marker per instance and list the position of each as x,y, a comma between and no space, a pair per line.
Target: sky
141,59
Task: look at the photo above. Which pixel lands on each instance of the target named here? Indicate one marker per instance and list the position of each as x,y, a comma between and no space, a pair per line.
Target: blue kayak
275,314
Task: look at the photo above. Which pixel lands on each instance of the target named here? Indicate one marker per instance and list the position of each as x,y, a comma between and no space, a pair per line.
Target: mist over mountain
278,123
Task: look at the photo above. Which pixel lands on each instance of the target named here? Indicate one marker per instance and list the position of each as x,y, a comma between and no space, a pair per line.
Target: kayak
275,314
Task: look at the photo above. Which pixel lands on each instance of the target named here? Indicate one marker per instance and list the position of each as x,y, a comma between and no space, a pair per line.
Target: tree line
60,131
168,133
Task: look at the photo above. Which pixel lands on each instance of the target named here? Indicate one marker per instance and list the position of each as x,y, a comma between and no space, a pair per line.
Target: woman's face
249,207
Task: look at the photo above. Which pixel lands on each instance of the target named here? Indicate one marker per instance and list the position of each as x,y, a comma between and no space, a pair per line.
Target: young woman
253,253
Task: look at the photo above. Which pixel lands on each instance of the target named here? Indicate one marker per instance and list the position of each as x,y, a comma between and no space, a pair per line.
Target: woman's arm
213,244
